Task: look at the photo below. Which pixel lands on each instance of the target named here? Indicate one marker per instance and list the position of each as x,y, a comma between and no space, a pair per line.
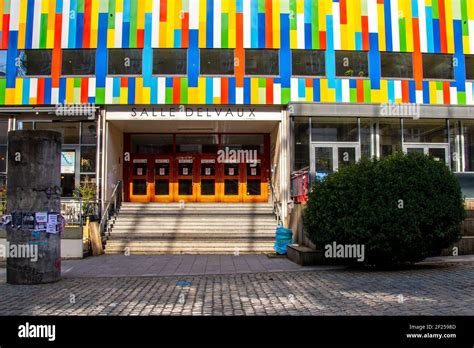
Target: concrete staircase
195,228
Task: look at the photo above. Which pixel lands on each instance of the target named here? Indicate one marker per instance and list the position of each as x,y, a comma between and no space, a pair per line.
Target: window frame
323,52
50,65
154,51
109,50
261,49
216,49
397,78
436,78
78,49
353,77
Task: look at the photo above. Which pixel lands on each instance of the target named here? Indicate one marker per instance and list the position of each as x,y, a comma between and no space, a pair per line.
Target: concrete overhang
376,110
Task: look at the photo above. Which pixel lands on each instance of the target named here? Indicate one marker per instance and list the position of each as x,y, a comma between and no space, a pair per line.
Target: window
34,62
78,62
300,142
397,65
196,143
469,67
152,143
169,61
390,137
262,62
217,62
425,131
352,64
308,63
249,142
334,129
125,61
438,66
3,63
69,130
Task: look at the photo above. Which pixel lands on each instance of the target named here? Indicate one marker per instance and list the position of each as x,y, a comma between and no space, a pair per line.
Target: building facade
161,94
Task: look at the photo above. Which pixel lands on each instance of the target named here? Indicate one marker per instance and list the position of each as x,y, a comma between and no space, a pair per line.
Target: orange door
255,182
184,187
231,187
139,185
207,177
163,179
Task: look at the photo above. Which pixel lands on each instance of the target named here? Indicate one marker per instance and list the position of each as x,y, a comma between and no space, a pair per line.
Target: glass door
163,179
184,187
231,187
139,183
207,179
256,186
439,152
328,158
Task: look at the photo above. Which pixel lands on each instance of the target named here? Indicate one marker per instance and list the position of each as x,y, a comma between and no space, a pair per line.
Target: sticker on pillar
28,221
52,228
52,219
41,218
17,219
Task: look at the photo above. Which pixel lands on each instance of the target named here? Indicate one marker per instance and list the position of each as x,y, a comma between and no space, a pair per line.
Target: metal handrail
112,207
276,204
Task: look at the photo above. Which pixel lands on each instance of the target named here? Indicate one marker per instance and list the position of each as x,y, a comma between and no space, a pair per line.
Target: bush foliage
402,208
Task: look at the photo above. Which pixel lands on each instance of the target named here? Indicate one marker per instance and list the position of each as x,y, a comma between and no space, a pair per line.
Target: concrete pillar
34,185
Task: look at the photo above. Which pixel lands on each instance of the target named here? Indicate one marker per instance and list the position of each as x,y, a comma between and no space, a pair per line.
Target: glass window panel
231,187
366,126
244,142
324,160
217,62
3,132
3,159
69,130
352,64
398,65
34,62
390,137
208,187
139,187
469,67
88,159
185,187
169,61
438,66
300,142
262,62
346,156
80,62
333,129
231,169
468,132
254,187
162,187
152,143
439,154
125,61
3,63
88,133
425,131
196,143
308,63
68,185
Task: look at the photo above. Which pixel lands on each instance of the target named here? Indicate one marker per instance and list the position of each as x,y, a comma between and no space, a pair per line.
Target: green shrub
402,208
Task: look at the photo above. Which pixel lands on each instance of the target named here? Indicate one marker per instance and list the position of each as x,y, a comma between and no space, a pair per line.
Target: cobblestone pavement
423,290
